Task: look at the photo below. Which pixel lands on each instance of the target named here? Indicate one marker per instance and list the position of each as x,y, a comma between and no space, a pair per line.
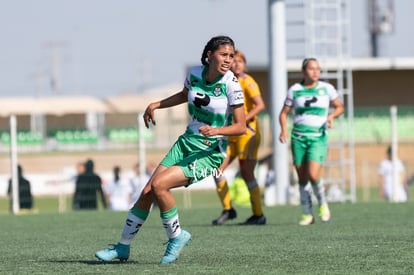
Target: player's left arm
235,99
338,110
238,127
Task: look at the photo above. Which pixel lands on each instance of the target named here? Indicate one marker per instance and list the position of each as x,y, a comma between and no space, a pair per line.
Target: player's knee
314,179
146,193
156,185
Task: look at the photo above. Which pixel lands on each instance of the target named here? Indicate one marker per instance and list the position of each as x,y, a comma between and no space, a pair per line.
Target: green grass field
364,238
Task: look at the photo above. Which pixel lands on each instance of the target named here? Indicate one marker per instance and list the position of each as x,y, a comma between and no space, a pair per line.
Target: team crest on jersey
217,90
321,91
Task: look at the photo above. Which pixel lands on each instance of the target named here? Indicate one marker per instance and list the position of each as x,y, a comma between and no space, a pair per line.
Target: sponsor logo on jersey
238,95
206,142
310,100
201,99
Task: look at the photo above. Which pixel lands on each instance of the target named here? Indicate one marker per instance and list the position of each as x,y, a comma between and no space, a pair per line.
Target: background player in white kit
385,171
118,191
311,100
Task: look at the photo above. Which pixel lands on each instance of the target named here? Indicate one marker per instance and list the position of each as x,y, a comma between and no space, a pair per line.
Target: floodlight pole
13,158
278,88
394,155
141,141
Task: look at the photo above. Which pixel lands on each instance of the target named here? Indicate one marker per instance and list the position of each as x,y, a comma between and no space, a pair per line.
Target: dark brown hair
306,61
214,44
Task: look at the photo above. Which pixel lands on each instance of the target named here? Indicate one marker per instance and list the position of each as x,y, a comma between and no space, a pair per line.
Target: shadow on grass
94,262
239,224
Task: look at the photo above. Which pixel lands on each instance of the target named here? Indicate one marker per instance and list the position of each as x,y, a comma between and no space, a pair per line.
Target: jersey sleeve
289,97
187,82
235,94
333,94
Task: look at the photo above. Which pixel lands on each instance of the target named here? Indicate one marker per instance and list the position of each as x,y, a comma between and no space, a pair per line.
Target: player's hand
283,138
330,122
149,115
208,131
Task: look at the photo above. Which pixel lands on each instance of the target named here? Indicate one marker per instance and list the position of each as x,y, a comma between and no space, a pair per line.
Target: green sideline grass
364,238
198,198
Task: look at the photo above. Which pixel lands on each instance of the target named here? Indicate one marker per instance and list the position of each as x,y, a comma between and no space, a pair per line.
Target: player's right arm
283,137
171,101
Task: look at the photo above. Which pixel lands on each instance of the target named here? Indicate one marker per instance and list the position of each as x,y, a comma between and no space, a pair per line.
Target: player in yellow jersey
244,148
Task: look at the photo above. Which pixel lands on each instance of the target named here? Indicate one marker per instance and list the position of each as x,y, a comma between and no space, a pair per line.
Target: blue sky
106,47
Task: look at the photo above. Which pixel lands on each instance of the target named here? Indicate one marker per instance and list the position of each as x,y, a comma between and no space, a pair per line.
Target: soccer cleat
225,216
174,247
307,219
324,212
255,220
120,251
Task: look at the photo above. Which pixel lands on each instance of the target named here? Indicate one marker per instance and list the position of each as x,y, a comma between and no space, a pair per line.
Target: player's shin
171,223
319,191
255,197
135,219
223,192
305,198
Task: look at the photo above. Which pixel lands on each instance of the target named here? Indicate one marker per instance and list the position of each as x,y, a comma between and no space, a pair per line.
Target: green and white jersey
210,104
311,107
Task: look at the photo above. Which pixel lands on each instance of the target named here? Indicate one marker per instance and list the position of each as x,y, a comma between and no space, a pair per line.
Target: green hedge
76,137
23,138
128,135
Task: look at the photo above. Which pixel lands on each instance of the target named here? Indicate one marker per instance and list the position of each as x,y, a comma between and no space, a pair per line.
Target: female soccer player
213,96
311,100
244,148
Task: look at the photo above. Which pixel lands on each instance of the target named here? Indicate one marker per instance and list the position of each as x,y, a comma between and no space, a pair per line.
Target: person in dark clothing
25,193
88,185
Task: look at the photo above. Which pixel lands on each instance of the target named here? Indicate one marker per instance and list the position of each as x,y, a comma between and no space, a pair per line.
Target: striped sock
305,198
135,219
171,223
319,190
